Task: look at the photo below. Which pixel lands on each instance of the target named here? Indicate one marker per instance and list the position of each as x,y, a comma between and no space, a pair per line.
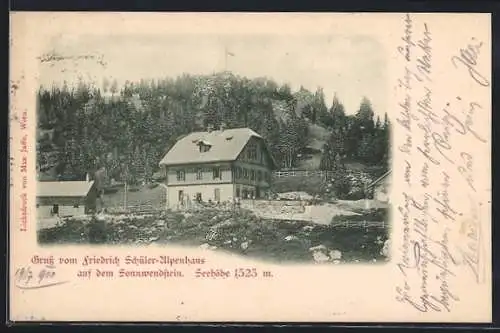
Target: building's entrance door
198,197
181,197
55,209
217,195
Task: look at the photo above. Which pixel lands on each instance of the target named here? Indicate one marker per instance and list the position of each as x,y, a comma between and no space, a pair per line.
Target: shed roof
64,188
225,145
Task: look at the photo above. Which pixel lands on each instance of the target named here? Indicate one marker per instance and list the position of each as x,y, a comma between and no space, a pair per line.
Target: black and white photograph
250,167
271,147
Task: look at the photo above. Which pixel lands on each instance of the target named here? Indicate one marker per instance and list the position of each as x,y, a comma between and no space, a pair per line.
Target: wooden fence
309,173
361,224
135,209
302,173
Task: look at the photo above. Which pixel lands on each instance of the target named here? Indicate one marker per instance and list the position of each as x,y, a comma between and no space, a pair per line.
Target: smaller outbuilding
65,198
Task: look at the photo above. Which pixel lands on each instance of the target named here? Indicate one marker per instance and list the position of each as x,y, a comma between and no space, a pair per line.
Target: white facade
202,174
181,196
46,211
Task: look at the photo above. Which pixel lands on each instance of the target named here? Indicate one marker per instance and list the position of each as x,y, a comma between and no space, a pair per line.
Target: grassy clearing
136,196
310,184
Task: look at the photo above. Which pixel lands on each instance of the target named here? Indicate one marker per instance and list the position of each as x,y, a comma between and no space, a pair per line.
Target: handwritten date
28,278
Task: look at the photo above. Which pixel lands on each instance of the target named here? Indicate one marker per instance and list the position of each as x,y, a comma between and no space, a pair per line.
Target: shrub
97,231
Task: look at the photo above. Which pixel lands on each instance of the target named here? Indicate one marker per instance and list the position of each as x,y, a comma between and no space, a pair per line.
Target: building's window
199,174
198,197
181,175
76,206
240,172
181,196
55,209
216,173
252,175
259,175
204,147
217,194
252,152
245,173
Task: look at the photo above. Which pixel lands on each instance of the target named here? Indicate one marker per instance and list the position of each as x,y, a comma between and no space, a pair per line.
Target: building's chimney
210,128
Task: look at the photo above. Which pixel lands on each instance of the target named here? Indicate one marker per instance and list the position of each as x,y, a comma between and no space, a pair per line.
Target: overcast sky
351,67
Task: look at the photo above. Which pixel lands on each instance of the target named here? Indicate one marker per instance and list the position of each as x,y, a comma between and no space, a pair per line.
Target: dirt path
315,214
47,223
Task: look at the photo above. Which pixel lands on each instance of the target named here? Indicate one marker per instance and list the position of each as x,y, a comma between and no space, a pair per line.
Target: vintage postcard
230,167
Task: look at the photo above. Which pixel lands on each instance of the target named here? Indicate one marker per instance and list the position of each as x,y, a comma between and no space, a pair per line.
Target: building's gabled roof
379,179
64,189
225,146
